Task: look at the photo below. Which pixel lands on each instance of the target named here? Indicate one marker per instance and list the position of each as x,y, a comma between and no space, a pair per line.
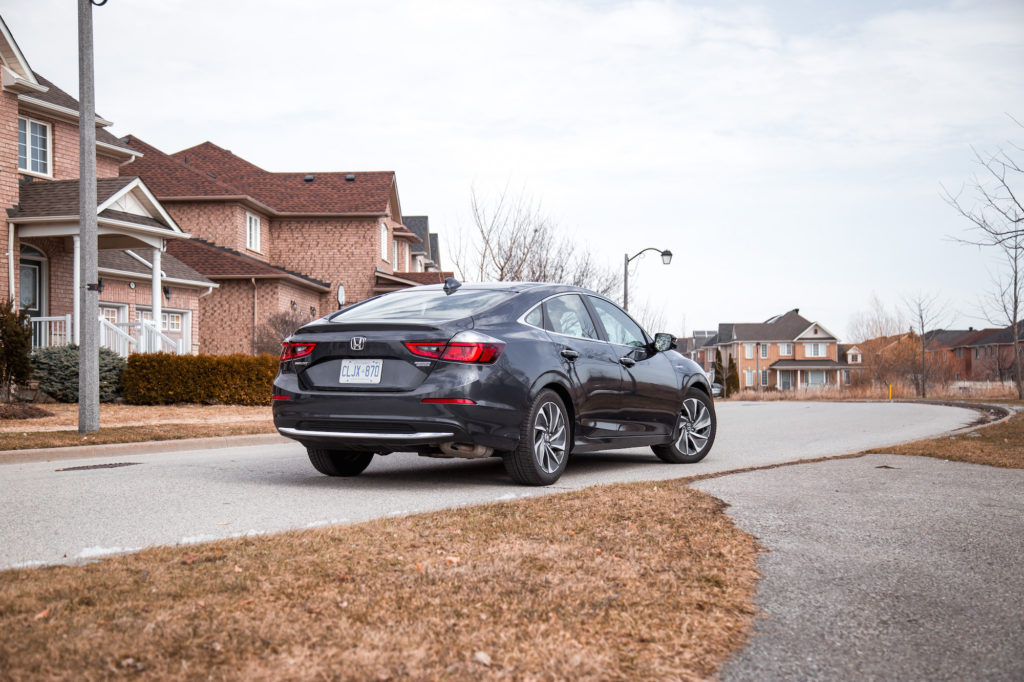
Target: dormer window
252,232
34,148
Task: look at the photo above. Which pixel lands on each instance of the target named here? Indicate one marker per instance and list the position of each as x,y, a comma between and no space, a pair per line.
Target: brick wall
222,223
225,318
8,176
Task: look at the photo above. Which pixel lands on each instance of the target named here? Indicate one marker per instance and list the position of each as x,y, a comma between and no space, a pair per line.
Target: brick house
305,243
986,355
786,352
39,150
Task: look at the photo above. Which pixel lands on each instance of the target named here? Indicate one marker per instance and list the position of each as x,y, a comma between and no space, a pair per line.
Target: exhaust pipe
462,451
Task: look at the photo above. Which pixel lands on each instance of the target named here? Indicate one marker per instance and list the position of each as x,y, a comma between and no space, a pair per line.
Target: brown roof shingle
171,266
44,198
218,262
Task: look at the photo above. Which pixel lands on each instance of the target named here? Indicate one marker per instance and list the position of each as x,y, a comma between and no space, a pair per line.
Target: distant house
786,352
987,355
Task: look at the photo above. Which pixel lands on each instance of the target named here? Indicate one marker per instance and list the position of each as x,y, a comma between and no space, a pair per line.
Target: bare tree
876,322
997,221
276,328
512,240
925,312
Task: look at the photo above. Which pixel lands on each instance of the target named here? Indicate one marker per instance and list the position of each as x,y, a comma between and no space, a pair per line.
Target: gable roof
124,261
785,327
420,226
169,178
218,262
367,193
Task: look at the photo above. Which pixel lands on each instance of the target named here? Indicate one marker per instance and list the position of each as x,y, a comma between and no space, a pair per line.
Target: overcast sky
790,155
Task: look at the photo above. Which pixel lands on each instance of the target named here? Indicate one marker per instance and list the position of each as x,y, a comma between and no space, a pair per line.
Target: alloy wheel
549,437
694,427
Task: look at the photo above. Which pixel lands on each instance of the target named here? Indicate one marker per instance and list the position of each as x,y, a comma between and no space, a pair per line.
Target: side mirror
663,342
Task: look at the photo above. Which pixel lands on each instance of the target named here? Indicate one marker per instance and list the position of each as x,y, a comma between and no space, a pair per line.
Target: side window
535,317
567,315
620,328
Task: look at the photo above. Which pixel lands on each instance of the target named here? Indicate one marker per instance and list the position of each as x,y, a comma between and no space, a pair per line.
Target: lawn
634,581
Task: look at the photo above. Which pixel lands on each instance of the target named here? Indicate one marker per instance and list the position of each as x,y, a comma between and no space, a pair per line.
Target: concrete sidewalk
883,567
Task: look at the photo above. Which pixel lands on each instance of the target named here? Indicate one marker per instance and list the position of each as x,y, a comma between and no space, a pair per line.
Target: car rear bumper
393,423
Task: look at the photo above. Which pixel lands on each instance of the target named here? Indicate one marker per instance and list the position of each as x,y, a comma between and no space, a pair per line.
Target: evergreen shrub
56,370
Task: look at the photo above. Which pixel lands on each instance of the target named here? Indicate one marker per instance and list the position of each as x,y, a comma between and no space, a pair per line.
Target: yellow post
890,393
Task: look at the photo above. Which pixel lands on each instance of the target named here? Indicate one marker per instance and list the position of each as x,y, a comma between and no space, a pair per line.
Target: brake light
468,347
449,401
290,351
429,349
480,353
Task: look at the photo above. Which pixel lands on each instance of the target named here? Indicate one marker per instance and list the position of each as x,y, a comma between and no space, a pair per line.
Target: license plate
360,371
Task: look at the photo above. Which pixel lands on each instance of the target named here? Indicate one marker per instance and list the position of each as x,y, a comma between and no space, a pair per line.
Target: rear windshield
423,305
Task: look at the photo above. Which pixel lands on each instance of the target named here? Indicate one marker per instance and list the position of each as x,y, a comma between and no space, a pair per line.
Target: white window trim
748,351
384,241
785,349
394,254
808,347
28,147
748,377
764,351
252,237
764,377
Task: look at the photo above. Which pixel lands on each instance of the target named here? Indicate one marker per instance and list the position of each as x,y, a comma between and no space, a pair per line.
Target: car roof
506,286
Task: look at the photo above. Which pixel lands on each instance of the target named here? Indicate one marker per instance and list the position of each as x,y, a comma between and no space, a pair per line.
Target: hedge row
163,379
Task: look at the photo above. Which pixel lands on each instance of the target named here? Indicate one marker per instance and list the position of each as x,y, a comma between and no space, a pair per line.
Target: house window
383,241
252,232
764,377
976,353
764,350
394,254
814,377
33,146
748,377
815,350
846,376
785,349
109,314
854,358
748,350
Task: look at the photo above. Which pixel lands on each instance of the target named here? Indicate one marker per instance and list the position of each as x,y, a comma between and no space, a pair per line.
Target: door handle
569,354
627,361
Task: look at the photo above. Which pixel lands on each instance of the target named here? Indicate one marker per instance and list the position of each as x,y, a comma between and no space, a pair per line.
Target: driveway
55,512
883,568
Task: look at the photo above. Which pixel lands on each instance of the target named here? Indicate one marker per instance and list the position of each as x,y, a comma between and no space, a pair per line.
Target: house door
31,296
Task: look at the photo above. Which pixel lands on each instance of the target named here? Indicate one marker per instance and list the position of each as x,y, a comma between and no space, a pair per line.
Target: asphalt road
883,568
49,515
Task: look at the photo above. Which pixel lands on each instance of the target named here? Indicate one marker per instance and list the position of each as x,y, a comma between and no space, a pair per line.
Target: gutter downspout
10,259
254,317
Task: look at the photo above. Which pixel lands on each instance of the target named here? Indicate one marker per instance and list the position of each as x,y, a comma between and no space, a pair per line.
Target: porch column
797,387
76,302
158,292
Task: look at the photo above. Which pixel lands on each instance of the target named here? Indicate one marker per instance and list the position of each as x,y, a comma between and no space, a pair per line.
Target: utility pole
88,288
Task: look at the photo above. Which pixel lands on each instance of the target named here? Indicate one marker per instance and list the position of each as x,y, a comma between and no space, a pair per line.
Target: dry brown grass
633,581
135,423
999,445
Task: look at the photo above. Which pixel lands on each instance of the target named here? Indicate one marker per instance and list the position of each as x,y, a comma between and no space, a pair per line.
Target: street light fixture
666,258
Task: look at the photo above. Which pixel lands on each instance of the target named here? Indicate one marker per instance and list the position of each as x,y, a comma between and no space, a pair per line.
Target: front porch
138,284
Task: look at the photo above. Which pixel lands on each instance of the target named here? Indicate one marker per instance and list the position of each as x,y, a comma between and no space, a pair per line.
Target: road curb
128,449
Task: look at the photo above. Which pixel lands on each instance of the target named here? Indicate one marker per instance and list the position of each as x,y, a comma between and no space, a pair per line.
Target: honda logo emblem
357,342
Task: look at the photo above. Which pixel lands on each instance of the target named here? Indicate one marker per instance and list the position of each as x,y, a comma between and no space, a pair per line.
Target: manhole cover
100,466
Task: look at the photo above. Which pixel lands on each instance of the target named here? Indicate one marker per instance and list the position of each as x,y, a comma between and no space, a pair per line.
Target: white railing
149,339
117,340
50,331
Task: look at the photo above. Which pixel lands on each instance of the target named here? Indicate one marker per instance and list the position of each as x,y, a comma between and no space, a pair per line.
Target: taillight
469,347
481,353
290,351
429,349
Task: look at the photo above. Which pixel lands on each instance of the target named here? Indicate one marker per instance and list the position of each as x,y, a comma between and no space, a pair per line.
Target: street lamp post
666,258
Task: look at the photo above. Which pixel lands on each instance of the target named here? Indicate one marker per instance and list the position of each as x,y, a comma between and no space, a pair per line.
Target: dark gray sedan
527,372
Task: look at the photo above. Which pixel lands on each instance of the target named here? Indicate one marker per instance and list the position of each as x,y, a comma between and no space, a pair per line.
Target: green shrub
56,369
15,348
164,379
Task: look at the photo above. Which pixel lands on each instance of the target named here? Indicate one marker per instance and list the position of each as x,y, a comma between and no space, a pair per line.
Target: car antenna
451,285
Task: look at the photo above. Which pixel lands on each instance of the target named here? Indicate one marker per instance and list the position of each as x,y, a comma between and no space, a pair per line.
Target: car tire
695,430
339,462
545,439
